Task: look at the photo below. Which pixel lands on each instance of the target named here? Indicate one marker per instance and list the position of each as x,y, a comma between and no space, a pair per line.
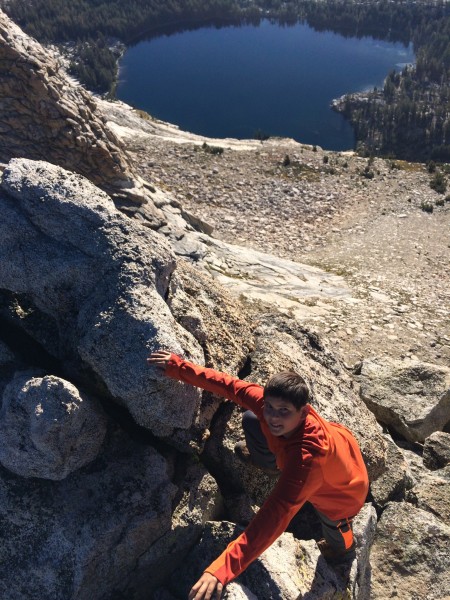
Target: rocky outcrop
46,115
57,231
415,469
259,278
198,501
214,318
392,484
101,291
413,398
47,427
83,537
410,557
100,280
432,493
436,450
290,568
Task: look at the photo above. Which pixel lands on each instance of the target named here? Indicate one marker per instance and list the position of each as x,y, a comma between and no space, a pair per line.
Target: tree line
94,25
410,117
62,21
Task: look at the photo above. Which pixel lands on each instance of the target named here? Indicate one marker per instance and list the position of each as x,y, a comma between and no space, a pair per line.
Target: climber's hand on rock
206,587
159,359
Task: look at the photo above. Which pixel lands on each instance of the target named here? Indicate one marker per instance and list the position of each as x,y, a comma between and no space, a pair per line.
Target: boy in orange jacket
318,461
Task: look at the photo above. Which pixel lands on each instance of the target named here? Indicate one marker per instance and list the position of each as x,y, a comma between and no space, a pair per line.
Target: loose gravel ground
352,216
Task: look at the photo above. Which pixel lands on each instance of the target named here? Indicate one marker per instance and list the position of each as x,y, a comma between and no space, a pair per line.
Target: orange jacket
320,463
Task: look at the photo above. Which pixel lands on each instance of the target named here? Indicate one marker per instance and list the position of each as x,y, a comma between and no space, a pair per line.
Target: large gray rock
410,556
82,537
432,493
48,428
218,323
428,490
291,568
216,320
102,279
411,397
392,485
198,500
364,528
415,470
8,365
436,450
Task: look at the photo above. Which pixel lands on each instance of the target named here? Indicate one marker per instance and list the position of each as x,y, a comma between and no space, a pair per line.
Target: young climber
318,461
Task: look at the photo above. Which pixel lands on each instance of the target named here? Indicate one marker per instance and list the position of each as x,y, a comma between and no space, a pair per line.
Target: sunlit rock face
46,115
101,279
411,397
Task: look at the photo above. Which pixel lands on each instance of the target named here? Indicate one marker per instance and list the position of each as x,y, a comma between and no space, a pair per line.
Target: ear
304,412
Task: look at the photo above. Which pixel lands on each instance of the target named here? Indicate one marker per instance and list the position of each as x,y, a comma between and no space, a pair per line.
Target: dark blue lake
234,81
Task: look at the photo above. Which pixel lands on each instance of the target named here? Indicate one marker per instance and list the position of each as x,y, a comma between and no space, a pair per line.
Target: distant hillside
409,118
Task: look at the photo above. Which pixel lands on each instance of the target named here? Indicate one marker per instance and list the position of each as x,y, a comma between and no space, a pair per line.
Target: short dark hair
290,386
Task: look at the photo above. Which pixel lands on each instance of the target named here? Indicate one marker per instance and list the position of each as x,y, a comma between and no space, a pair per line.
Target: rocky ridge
44,113
87,290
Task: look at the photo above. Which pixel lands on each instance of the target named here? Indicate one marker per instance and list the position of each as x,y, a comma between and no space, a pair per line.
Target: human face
282,417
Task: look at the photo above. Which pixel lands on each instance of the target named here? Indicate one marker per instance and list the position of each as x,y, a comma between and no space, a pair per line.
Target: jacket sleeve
248,395
299,480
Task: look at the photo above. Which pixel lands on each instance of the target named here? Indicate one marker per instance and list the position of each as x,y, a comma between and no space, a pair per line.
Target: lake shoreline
261,90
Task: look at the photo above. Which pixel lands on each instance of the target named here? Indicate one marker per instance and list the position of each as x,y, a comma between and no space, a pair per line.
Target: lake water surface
234,81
